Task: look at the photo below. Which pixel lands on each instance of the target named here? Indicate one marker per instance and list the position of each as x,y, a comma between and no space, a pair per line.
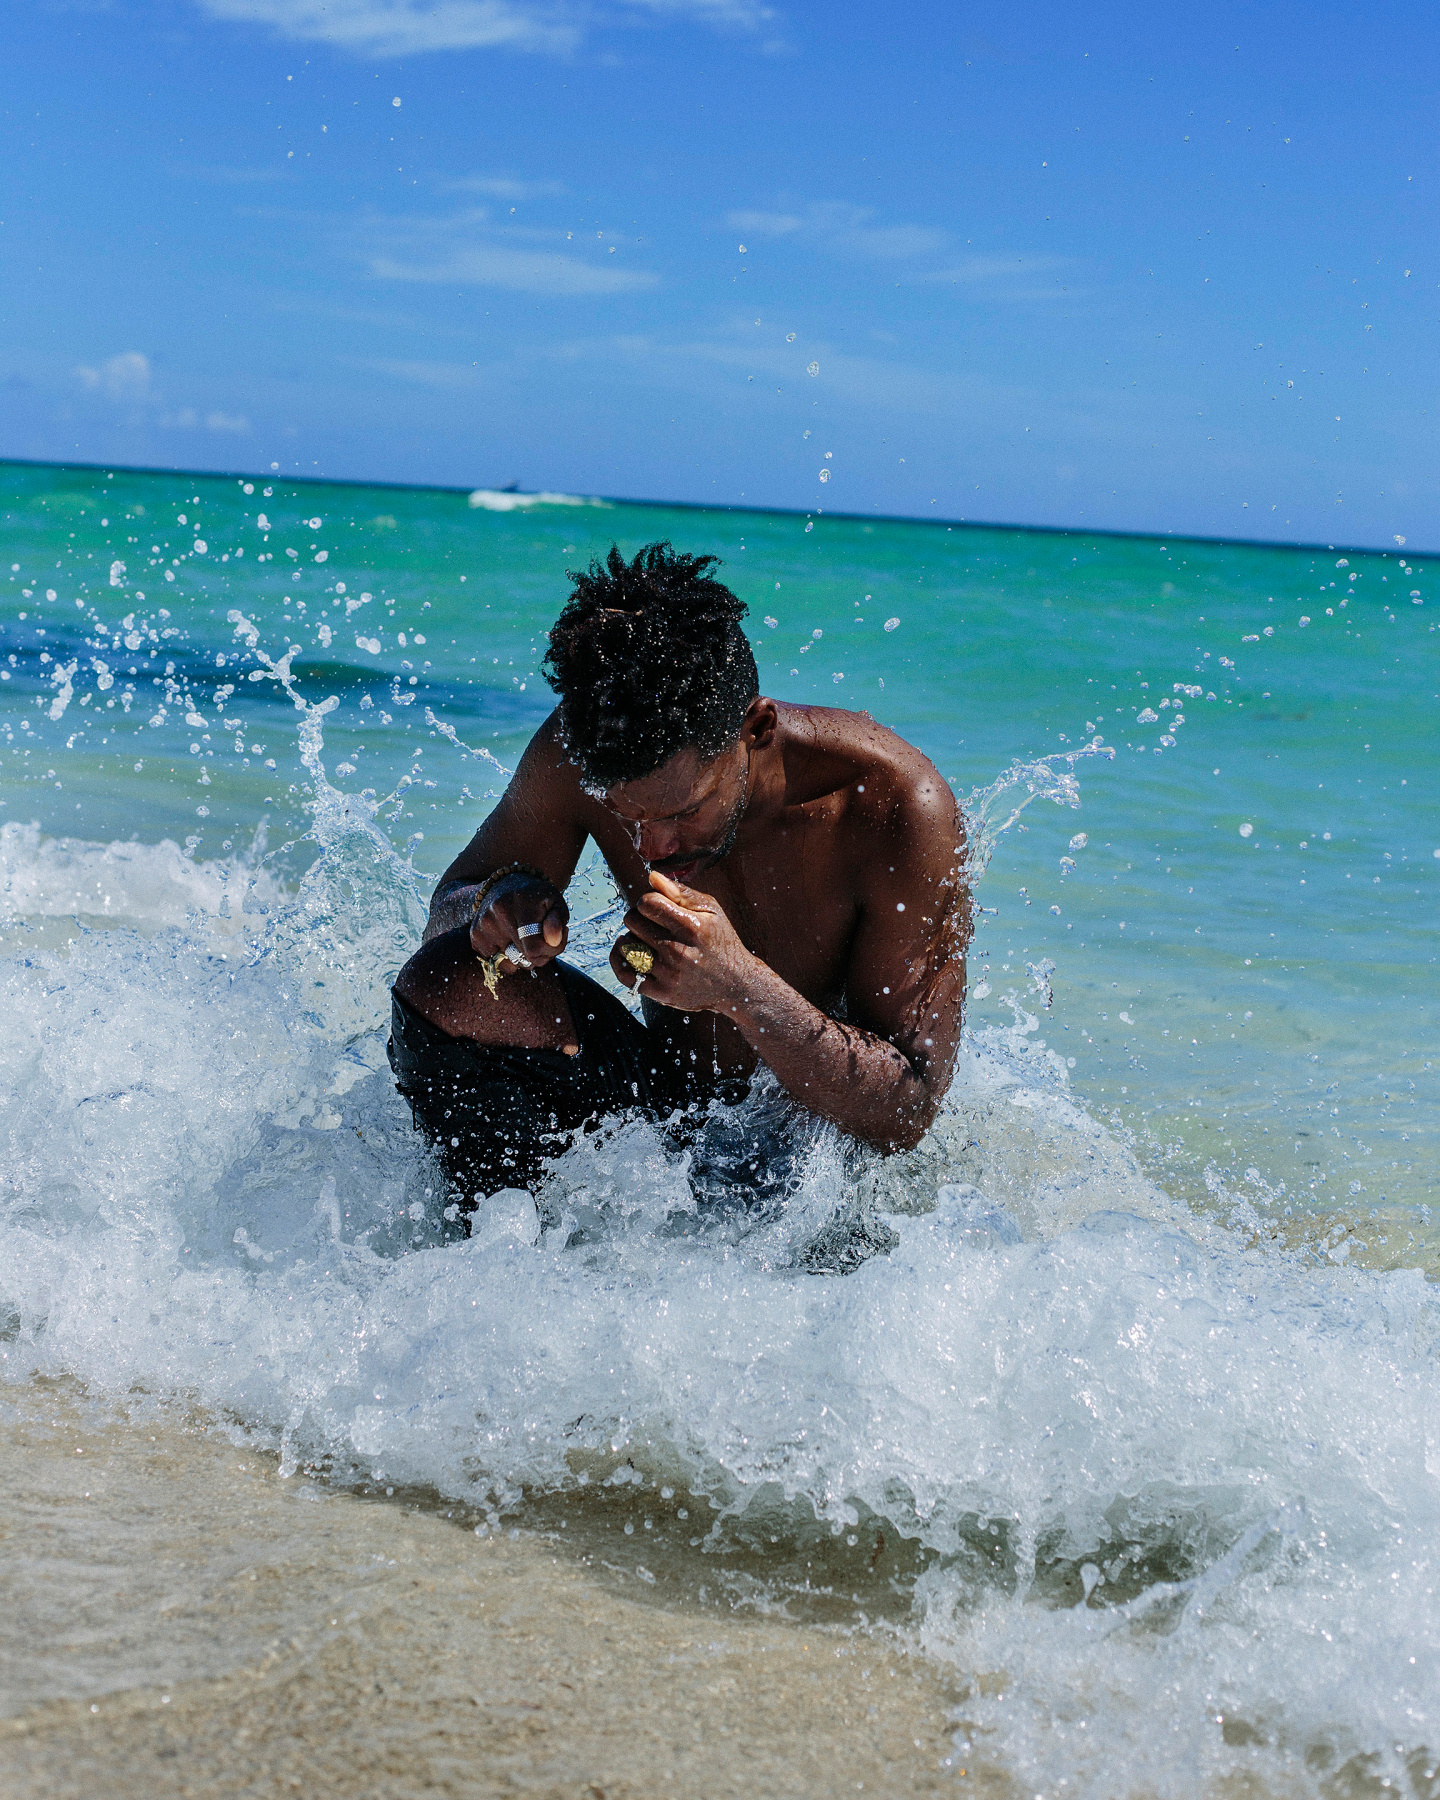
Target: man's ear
761,722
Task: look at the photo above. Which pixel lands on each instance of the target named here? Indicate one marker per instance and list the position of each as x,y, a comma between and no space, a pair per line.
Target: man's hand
513,905
700,963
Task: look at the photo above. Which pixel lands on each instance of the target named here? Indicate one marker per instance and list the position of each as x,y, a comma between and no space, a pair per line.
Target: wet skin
802,893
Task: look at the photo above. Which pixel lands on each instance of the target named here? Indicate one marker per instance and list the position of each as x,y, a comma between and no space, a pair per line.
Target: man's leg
445,984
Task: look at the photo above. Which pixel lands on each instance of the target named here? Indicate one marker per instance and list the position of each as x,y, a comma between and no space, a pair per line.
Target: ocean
1131,1430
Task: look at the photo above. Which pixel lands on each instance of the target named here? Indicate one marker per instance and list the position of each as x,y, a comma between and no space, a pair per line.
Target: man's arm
537,822
882,1074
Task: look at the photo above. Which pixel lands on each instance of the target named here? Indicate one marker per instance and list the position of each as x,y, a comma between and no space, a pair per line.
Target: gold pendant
490,969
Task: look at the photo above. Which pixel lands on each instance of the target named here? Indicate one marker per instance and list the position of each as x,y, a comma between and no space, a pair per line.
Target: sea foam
1173,1494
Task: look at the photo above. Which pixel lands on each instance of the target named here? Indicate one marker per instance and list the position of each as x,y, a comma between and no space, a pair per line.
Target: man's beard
707,858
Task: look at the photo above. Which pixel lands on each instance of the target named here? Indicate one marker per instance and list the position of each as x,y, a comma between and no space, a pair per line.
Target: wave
1167,1491
503,500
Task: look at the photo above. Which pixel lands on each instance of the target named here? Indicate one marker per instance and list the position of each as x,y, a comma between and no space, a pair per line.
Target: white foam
1055,1375
502,500
147,885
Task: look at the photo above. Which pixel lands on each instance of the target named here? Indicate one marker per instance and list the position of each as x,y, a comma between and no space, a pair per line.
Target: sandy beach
181,1620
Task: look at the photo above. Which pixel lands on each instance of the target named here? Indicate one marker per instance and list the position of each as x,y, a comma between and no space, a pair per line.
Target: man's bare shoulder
890,791
547,771
544,756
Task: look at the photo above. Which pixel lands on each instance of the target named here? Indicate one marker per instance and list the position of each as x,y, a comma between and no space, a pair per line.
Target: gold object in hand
640,957
492,968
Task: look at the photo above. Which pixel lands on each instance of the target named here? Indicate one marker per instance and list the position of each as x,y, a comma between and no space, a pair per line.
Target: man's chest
789,895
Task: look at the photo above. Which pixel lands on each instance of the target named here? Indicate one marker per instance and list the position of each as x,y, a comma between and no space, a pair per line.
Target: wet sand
179,1620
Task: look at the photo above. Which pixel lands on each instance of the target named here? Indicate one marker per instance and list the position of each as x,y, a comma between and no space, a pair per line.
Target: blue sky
1167,269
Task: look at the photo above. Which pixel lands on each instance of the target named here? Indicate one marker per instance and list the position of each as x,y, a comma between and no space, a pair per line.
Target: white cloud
519,271
845,230
229,176
465,252
444,377
127,378
123,377
882,385
392,28
889,243
998,268
765,224
501,187
887,386
725,15
389,28
188,419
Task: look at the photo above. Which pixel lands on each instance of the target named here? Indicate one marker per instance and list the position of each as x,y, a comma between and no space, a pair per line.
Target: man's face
684,816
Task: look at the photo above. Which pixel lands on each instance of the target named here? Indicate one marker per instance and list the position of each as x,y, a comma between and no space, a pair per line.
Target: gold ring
640,957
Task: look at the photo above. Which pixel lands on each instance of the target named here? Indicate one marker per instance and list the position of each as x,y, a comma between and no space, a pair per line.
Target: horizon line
782,512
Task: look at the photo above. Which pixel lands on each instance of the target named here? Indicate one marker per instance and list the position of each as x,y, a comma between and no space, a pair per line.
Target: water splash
1050,778
1123,1445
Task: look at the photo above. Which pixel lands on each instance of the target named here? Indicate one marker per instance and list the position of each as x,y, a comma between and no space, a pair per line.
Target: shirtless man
795,880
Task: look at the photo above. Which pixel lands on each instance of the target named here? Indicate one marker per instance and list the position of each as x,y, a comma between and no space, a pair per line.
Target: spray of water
1150,1508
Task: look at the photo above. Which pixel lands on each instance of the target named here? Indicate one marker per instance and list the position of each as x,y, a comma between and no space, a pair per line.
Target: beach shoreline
182,1620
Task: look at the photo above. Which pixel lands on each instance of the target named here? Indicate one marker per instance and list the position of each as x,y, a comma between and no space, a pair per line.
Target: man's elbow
906,1129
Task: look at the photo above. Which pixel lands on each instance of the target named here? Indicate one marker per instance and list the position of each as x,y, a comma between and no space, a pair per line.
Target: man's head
656,681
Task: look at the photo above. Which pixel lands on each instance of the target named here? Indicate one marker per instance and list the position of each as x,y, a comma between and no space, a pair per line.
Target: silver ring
529,931
518,957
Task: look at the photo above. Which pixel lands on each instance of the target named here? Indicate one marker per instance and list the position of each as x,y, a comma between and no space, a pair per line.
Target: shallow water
1132,1423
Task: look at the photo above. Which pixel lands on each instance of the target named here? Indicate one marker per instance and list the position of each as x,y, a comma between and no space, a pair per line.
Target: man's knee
445,983
436,971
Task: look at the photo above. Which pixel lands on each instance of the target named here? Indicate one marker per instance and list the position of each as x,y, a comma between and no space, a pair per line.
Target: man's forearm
856,1080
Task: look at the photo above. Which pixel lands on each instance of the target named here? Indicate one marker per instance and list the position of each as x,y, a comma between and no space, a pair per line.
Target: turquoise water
1146,1385
1280,989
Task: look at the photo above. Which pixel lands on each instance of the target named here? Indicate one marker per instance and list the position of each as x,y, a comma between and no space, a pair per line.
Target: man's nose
658,839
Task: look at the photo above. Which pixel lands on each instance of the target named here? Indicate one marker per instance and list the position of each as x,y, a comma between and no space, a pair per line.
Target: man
796,889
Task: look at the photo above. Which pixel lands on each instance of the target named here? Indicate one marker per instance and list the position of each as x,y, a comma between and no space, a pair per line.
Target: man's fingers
645,929
492,937
676,920
530,909
689,898
534,923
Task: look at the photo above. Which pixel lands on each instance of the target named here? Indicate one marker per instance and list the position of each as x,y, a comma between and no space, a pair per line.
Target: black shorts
495,1113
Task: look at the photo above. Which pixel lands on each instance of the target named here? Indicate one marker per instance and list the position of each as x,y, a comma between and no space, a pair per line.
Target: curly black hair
648,657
